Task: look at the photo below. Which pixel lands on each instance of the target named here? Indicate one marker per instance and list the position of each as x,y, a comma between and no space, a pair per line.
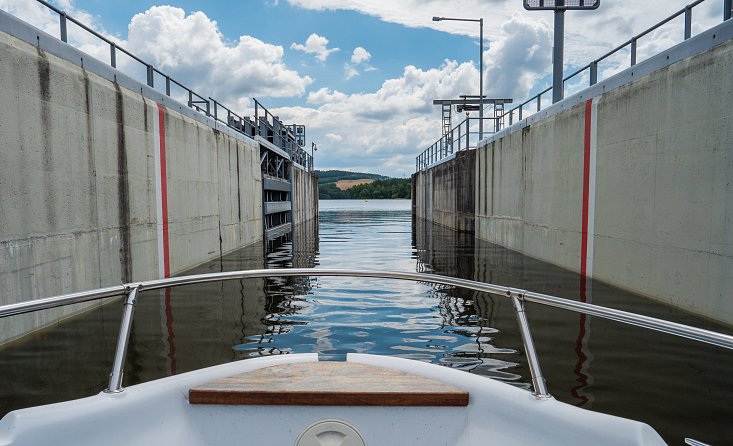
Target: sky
361,75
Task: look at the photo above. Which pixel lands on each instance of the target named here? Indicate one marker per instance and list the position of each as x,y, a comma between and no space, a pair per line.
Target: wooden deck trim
328,384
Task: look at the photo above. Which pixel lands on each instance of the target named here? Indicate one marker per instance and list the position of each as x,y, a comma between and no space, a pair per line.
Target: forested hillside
383,187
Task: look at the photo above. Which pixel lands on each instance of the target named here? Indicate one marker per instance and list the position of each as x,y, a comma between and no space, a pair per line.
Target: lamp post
314,148
481,69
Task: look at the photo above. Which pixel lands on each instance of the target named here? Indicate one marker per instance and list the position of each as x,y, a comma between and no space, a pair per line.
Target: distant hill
373,185
332,176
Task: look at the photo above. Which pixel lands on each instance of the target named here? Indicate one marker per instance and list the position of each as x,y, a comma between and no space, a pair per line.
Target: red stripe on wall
586,188
164,190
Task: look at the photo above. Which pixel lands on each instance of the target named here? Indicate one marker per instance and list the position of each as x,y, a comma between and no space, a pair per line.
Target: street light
480,70
314,148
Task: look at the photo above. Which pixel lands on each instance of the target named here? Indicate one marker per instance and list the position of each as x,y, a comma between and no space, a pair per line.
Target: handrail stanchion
112,55
115,378
594,72
538,381
150,77
633,52
62,27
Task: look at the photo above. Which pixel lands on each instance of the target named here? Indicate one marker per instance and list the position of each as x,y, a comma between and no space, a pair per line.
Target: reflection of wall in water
296,249
196,326
559,337
442,250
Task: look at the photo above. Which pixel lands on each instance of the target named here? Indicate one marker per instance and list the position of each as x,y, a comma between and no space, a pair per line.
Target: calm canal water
680,387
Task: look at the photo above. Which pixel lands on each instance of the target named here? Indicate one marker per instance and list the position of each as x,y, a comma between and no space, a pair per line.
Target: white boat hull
158,413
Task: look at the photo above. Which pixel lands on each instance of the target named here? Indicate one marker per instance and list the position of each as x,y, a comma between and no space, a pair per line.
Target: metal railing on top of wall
519,112
464,136
445,145
269,127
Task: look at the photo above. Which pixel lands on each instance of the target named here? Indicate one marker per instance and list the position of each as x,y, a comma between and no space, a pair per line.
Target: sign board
299,132
536,5
466,108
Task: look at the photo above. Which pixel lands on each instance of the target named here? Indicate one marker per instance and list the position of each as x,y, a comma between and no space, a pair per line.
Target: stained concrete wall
77,181
305,195
663,185
444,193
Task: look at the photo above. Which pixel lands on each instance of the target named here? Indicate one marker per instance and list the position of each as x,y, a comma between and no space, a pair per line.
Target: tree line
391,188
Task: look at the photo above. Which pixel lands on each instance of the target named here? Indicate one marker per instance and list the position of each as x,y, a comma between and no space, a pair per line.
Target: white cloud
317,45
382,130
232,73
350,71
325,95
360,55
588,34
518,59
46,20
203,61
359,60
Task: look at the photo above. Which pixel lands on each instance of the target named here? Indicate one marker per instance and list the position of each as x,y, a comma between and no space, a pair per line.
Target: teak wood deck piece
328,384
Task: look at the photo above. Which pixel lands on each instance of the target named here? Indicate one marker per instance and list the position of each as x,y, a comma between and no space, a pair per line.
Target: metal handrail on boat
518,296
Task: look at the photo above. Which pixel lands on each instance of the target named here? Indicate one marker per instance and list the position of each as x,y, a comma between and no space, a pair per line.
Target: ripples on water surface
679,387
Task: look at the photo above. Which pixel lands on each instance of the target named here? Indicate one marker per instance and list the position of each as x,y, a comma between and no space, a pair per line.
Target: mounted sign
299,132
466,108
537,5
558,47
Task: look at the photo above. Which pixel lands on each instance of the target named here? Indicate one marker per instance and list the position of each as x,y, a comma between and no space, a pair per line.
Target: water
680,387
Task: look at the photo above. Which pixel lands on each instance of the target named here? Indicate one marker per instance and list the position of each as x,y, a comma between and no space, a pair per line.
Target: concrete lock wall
444,194
633,186
83,205
305,196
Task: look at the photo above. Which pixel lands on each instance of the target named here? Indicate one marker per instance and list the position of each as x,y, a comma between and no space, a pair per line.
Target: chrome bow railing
518,297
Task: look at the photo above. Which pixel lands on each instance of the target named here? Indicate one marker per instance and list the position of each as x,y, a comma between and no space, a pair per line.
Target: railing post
115,378
539,107
538,381
688,22
594,72
520,112
62,27
211,101
150,76
113,55
167,85
257,117
727,9
511,117
460,136
190,98
633,52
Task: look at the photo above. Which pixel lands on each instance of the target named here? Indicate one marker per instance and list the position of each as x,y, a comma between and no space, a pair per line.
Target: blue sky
361,74
392,46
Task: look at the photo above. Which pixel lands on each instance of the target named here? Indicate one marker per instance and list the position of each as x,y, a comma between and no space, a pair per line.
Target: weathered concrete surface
663,186
78,184
444,194
305,196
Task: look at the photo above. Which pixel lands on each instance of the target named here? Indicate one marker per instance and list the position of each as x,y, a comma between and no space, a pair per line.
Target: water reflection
680,387
677,386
